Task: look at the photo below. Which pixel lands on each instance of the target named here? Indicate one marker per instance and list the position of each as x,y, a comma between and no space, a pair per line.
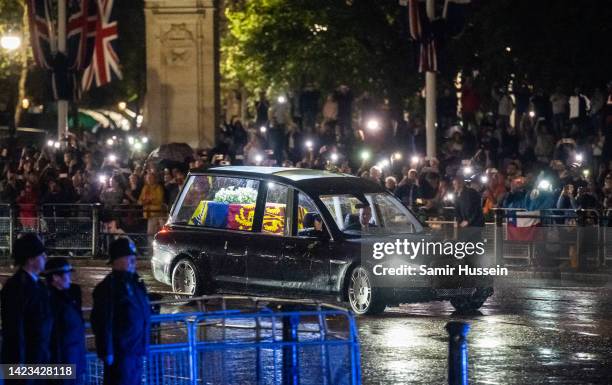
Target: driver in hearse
361,221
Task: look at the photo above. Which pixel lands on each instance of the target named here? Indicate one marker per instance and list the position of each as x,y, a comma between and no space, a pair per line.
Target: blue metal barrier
263,347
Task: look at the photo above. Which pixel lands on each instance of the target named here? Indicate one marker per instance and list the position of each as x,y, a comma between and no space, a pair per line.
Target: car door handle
289,247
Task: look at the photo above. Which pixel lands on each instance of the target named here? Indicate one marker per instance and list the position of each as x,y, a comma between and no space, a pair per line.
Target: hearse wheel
186,279
467,303
362,297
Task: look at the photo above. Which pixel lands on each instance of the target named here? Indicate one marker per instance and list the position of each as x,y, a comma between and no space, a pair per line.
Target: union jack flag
431,32
421,32
80,30
105,61
81,33
42,33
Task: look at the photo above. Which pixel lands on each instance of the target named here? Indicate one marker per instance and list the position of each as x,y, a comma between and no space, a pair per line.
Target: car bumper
424,294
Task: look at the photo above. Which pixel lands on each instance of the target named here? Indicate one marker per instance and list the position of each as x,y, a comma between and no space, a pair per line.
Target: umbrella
172,152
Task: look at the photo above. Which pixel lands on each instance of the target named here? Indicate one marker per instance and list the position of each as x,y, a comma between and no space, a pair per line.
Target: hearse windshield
380,214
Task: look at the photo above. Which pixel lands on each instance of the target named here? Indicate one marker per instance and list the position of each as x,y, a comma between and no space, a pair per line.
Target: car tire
363,299
468,303
187,280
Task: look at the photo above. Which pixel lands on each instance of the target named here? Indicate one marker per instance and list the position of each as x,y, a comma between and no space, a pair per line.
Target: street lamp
10,42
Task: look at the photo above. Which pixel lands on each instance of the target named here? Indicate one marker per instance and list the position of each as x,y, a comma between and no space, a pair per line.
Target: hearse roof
308,179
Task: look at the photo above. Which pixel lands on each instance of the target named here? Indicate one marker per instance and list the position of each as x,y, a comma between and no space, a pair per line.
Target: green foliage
275,43
288,43
11,12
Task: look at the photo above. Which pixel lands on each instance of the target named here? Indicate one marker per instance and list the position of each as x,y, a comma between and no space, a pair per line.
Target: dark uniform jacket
120,316
468,208
68,333
26,320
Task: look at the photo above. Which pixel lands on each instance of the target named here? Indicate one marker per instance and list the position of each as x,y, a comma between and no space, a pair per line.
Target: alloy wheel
184,279
360,290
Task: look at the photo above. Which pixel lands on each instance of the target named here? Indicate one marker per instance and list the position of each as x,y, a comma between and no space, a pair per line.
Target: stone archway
182,45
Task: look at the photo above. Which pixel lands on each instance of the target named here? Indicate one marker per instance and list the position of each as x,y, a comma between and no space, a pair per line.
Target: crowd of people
88,169
505,143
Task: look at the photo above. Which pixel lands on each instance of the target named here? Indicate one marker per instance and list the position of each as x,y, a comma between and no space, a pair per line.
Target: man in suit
120,317
25,310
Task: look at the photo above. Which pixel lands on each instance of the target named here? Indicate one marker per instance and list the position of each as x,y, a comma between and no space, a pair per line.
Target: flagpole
430,96
62,105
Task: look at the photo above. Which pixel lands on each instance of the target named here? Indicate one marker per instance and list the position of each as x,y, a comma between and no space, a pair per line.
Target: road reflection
547,335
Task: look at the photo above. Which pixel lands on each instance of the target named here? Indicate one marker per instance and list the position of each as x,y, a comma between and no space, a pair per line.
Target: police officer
120,317
26,312
68,332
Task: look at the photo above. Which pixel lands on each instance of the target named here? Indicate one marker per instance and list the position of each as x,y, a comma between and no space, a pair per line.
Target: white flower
244,195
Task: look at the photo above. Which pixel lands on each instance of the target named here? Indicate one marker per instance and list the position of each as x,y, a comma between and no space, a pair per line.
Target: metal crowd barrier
263,345
78,229
577,238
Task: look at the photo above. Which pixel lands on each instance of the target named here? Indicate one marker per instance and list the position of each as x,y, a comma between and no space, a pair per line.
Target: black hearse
289,232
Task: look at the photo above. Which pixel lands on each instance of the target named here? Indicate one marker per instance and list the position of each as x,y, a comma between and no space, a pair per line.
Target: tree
286,44
14,66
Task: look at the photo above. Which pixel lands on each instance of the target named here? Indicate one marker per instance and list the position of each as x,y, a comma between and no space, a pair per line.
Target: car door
217,210
265,254
307,252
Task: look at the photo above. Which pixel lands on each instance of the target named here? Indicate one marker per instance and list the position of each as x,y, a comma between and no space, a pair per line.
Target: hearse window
377,213
309,222
275,214
219,202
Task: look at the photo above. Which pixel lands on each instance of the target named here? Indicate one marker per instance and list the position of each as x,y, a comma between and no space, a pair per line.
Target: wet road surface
535,332
544,332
